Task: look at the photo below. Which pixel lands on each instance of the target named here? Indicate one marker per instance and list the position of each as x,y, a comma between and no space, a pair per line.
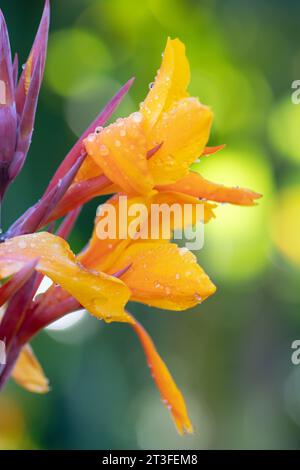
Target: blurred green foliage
231,355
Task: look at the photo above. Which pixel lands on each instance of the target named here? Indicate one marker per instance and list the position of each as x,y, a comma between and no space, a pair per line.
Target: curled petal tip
211,150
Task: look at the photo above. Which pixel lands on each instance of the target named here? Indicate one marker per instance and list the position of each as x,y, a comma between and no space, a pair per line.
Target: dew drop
103,150
198,298
137,117
22,244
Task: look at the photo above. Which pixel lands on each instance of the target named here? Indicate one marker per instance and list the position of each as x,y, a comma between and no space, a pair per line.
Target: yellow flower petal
102,295
184,131
170,394
101,253
164,275
29,374
170,84
197,186
120,151
183,201
168,117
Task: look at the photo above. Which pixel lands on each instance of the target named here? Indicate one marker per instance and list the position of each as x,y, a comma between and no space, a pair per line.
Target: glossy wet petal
189,209
184,131
102,250
197,186
164,275
102,295
120,150
170,84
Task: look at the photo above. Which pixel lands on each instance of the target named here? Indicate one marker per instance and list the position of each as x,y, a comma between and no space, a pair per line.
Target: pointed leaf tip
38,51
30,103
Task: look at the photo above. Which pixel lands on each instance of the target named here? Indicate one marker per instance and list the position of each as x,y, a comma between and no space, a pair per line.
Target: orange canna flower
146,156
159,274
101,253
152,150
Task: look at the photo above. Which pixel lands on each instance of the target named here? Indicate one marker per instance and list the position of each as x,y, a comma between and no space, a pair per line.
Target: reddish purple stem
100,120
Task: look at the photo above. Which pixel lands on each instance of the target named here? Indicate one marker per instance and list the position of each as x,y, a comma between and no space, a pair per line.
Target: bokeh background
231,356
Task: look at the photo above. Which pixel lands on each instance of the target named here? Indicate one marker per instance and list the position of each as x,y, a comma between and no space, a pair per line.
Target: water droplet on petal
183,251
198,298
103,150
137,117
